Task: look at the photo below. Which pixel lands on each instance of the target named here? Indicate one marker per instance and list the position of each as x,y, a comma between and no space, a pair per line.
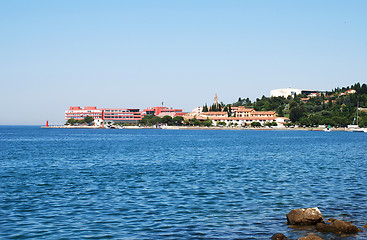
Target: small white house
98,122
282,120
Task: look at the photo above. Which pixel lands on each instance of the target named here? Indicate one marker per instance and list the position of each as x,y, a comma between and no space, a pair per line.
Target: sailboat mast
357,112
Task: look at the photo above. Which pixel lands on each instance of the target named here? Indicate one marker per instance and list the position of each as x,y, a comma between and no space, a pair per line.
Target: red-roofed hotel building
105,114
124,115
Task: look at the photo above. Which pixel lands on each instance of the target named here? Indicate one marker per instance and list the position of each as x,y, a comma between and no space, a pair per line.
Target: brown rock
279,236
365,226
311,236
305,216
338,226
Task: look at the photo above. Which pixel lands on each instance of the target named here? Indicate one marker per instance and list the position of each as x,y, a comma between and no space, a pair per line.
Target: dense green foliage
87,120
271,124
255,124
221,124
332,108
207,123
150,120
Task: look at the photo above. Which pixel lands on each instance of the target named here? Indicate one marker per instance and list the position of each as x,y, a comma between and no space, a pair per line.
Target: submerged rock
305,216
338,227
279,236
311,236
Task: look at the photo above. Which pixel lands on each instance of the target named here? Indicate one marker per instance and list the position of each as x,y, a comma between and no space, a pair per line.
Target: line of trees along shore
150,120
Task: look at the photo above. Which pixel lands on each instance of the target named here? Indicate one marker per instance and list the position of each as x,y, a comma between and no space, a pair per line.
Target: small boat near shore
327,129
358,130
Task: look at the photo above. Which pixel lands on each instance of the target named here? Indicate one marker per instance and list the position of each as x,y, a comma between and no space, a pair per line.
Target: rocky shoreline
313,219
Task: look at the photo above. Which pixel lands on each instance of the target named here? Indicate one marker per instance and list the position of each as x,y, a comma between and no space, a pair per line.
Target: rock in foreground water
305,216
310,236
338,226
279,236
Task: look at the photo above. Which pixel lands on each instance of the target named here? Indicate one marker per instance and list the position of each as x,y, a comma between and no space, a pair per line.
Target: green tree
213,108
271,124
146,120
81,121
280,111
195,122
149,120
71,121
305,121
229,112
288,124
88,120
255,124
362,124
248,102
178,120
296,113
221,124
315,120
208,122
363,89
155,120
166,119
328,121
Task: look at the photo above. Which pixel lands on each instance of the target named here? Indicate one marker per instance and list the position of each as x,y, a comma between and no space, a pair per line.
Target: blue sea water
176,184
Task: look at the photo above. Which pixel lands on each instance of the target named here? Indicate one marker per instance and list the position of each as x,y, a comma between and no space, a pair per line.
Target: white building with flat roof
285,92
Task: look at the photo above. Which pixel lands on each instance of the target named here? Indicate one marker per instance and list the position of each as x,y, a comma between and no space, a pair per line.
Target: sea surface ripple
176,184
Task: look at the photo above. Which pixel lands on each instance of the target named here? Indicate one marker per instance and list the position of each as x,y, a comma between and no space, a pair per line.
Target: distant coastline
201,128
293,109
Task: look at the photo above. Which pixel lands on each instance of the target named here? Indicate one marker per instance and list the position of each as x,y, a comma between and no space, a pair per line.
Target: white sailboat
356,127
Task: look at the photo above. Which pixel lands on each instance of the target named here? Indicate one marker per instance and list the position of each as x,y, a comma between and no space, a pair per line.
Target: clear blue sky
135,54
